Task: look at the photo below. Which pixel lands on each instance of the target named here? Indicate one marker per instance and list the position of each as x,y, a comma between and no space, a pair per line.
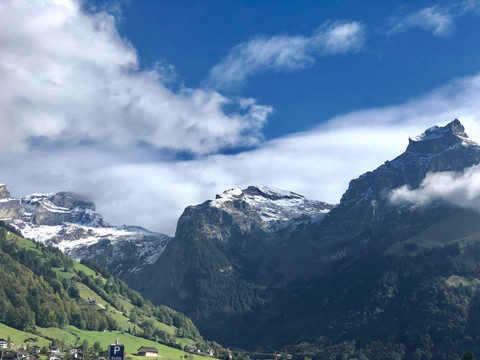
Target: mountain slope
47,293
366,216
218,265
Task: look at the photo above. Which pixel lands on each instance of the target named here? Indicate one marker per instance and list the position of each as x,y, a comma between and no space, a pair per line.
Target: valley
79,307
377,276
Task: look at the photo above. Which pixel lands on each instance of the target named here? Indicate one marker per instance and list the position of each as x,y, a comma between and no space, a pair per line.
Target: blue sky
150,106
388,66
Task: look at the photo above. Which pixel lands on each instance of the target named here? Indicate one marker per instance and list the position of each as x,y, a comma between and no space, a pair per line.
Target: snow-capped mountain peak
440,138
275,208
69,221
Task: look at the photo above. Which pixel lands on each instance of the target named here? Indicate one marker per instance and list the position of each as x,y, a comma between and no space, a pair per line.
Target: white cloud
462,189
439,19
285,53
134,187
68,76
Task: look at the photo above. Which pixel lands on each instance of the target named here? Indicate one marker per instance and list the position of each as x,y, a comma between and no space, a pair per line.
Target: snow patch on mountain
276,208
69,221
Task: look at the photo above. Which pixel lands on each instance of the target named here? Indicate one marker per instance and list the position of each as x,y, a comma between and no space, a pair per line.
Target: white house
147,351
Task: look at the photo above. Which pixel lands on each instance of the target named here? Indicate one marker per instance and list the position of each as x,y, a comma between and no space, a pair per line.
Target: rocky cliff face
9,207
59,208
365,211
224,252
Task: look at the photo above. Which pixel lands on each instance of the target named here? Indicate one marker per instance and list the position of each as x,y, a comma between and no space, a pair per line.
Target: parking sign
116,352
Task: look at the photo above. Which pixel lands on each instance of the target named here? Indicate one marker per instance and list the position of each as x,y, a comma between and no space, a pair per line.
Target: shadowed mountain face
366,216
264,267
438,149
224,252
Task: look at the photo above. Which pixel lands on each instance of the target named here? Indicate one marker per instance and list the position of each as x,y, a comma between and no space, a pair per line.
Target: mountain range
374,277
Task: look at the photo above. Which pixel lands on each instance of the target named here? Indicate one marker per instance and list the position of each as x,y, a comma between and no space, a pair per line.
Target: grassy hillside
45,294
463,227
18,336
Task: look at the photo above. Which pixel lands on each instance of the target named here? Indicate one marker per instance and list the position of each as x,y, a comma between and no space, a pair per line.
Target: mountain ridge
362,226
69,221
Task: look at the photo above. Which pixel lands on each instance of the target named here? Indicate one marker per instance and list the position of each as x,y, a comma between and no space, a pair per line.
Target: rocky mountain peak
256,193
270,207
439,138
71,200
438,149
59,208
4,193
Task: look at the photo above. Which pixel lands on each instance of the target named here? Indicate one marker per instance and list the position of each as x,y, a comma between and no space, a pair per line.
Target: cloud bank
135,187
285,53
77,113
67,76
462,189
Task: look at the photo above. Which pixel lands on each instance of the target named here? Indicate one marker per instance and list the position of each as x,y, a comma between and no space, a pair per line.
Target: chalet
76,354
93,302
147,351
209,353
191,349
35,348
54,350
3,343
30,341
54,357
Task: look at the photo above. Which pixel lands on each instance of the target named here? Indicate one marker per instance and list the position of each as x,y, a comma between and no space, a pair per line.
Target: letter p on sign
116,352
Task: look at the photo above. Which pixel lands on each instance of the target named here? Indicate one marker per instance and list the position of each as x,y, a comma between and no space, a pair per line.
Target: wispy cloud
462,189
285,53
66,76
439,18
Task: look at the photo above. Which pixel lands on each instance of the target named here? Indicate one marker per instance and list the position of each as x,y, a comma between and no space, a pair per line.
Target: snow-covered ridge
69,221
43,200
436,140
275,208
80,241
435,132
452,130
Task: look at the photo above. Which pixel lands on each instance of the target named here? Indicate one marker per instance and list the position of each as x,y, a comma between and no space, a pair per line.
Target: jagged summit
56,209
439,138
257,190
256,210
272,206
4,193
438,149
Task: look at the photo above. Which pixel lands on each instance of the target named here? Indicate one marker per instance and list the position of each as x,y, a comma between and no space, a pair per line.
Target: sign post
116,352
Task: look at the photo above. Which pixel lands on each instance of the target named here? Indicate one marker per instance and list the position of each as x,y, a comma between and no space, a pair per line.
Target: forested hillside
42,288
